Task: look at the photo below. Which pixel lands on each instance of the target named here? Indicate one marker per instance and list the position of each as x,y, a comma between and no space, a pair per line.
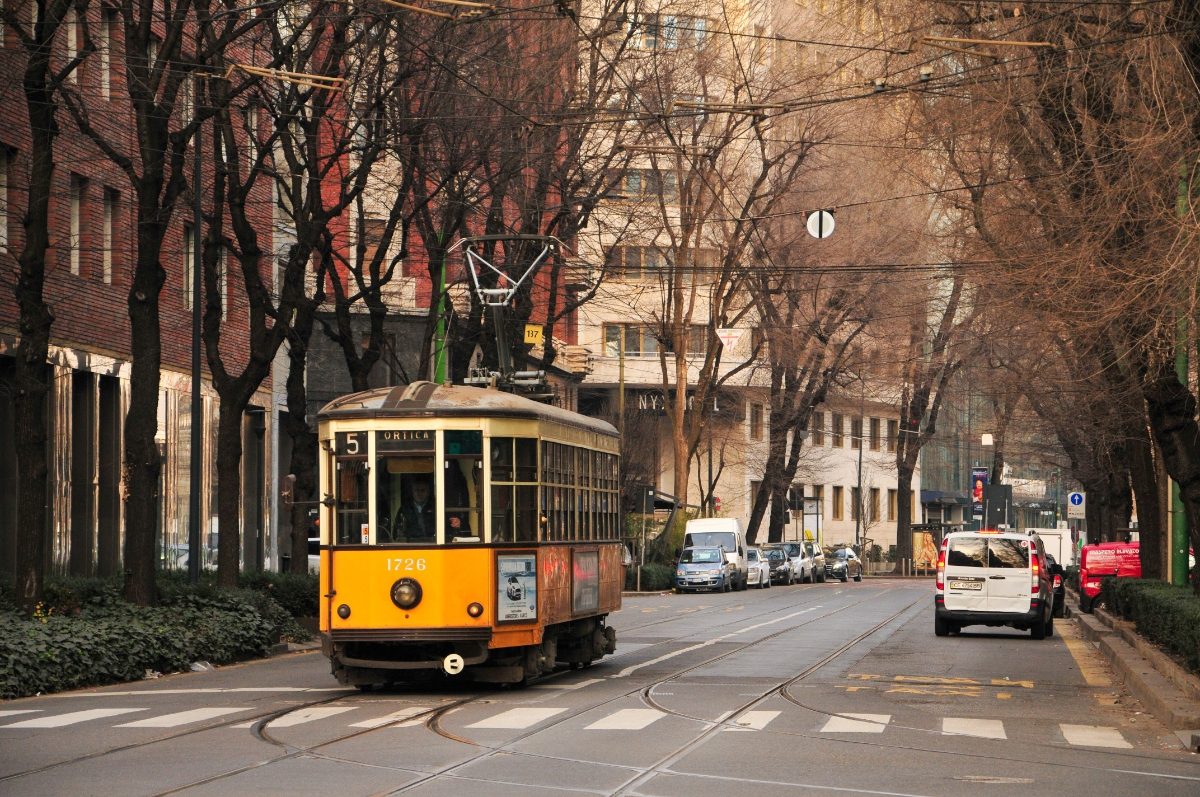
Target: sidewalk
1169,692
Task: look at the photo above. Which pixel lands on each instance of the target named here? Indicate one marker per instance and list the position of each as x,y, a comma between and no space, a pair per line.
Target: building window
839,502
836,427
756,421
75,243
639,342
891,506
4,158
370,232
754,488
819,498
669,32
638,262
855,503
856,430
893,430
817,425
637,183
796,498
189,261
874,504
874,434
250,118
71,32
223,281
108,25
106,254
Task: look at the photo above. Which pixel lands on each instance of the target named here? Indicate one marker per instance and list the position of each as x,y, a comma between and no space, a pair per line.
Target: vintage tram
465,530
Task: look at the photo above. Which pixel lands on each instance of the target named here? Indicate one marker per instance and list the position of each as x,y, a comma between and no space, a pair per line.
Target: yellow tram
465,530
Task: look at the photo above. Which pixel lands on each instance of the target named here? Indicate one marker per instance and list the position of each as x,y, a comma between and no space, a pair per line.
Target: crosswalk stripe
517,718
60,720
1094,736
396,718
754,720
627,719
984,729
308,715
12,712
857,723
181,718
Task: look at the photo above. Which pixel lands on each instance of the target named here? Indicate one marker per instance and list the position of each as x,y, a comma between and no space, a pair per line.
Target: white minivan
720,532
993,578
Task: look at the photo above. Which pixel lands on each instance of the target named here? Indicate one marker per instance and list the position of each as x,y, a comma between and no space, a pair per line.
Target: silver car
758,573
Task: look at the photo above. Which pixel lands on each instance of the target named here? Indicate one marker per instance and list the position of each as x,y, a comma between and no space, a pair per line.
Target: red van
1107,559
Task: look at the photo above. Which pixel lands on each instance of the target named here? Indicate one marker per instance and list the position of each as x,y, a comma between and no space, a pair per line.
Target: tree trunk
303,464
32,373
142,459
1143,475
229,491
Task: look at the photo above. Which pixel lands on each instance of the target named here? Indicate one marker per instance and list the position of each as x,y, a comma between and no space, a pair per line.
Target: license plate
967,584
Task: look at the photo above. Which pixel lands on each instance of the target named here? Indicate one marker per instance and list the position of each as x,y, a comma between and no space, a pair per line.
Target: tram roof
429,399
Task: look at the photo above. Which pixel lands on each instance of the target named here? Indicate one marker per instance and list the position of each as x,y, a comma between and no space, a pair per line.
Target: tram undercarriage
365,662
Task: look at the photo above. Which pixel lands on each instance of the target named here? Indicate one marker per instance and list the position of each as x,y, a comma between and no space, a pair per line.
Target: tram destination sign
405,440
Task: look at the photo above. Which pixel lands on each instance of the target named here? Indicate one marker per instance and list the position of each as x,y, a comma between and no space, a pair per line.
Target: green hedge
1167,615
85,634
111,642
655,577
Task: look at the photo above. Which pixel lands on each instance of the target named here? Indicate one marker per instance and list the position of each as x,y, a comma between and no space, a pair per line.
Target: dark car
781,566
843,563
703,568
1060,588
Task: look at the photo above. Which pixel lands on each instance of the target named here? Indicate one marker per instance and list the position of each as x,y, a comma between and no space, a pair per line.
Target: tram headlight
475,609
406,593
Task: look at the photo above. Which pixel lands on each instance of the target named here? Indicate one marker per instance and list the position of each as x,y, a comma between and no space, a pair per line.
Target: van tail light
941,570
1057,583
1035,571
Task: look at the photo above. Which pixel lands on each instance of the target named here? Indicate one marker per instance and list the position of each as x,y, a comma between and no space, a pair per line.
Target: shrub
1167,615
298,593
655,577
104,641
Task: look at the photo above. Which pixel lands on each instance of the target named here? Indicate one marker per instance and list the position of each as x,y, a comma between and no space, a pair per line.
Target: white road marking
754,720
60,720
216,691
308,715
181,718
567,687
984,729
857,723
628,670
518,718
627,719
401,719
12,712
1094,736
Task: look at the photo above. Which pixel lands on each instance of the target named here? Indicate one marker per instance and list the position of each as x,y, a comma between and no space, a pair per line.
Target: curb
1168,691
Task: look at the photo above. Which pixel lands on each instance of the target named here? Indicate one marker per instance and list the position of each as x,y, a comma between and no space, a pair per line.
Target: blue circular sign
1076,499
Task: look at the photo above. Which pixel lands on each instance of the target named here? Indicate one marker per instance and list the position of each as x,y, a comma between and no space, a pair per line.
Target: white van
721,532
993,578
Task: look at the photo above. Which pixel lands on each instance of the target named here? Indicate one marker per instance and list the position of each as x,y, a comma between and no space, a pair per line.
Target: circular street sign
820,223
1076,499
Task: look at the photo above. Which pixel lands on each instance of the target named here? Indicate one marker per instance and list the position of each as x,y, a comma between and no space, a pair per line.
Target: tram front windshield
407,502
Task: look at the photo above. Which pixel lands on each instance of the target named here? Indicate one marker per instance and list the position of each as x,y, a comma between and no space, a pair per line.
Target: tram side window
404,498
514,489
464,484
350,509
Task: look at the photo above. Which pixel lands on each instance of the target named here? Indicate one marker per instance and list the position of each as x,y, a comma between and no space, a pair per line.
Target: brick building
88,278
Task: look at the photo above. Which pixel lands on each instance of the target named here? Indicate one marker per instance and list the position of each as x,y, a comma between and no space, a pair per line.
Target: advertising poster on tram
516,587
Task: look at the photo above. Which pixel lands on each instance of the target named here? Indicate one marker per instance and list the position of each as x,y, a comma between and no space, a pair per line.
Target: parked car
801,562
704,568
782,571
758,573
993,578
724,532
1059,587
818,560
844,564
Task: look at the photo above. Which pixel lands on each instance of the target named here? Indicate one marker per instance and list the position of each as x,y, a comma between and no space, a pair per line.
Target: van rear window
966,552
1008,553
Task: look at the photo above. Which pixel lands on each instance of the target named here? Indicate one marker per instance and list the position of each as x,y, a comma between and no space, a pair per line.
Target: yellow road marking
1006,682
1085,658
1004,695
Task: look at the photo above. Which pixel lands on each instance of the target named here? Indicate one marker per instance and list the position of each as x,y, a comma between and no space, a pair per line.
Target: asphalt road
819,689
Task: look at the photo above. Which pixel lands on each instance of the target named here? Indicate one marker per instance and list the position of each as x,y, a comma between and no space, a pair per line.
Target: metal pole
197,430
439,335
621,381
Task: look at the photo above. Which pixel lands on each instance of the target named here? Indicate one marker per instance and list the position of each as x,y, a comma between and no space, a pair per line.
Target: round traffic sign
1076,499
820,223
